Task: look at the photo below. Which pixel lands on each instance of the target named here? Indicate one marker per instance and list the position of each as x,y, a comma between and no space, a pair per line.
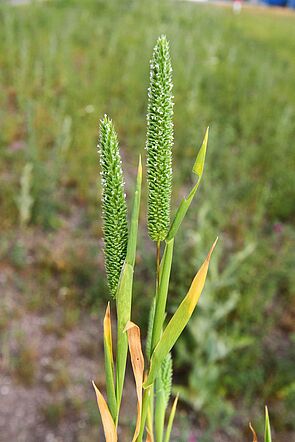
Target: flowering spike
159,141
114,208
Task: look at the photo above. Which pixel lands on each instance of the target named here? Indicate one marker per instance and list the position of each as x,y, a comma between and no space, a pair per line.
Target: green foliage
114,208
159,372
267,431
124,293
159,141
212,336
233,73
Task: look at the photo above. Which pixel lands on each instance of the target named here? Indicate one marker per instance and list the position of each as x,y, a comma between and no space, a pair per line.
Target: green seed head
114,209
166,377
159,141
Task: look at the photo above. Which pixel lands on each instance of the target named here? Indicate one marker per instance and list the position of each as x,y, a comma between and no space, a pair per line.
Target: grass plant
235,73
154,384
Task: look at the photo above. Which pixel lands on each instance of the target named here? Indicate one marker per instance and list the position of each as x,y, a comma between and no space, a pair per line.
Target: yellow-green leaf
109,362
267,432
170,420
178,320
200,160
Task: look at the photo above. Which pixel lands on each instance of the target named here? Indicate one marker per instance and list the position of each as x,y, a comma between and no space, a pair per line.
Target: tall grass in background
233,71
153,383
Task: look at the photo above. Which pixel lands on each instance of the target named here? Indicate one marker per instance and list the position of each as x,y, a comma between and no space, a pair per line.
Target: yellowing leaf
253,432
137,361
108,329
107,420
149,437
178,320
109,362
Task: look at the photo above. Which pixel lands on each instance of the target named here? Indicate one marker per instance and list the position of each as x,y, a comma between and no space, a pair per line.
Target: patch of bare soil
49,353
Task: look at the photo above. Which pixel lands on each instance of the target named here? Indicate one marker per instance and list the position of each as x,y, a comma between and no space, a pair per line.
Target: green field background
63,64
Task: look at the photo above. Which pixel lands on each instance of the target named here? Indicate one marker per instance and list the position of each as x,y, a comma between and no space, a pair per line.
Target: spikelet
159,141
166,377
114,208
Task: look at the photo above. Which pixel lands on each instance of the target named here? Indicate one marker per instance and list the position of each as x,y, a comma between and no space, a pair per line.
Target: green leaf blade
171,420
109,363
186,202
124,292
267,431
178,320
161,297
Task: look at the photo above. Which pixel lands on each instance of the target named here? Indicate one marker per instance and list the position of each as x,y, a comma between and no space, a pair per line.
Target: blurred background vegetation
63,64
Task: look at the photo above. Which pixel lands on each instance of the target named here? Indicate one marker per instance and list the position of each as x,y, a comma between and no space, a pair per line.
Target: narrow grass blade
109,362
161,298
170,421
267,432
148,346
124,293
253,432
186,202
178,320
107,420
132,240
200,160
137,362
123,300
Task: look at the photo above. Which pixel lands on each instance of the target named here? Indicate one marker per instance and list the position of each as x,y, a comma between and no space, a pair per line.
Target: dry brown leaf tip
253,432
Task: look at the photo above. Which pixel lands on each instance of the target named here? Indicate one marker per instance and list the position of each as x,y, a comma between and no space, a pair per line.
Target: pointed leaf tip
108,327
211,250
139,166
179,320
200,160
107,420
253,432
267,431
108,311
171,419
